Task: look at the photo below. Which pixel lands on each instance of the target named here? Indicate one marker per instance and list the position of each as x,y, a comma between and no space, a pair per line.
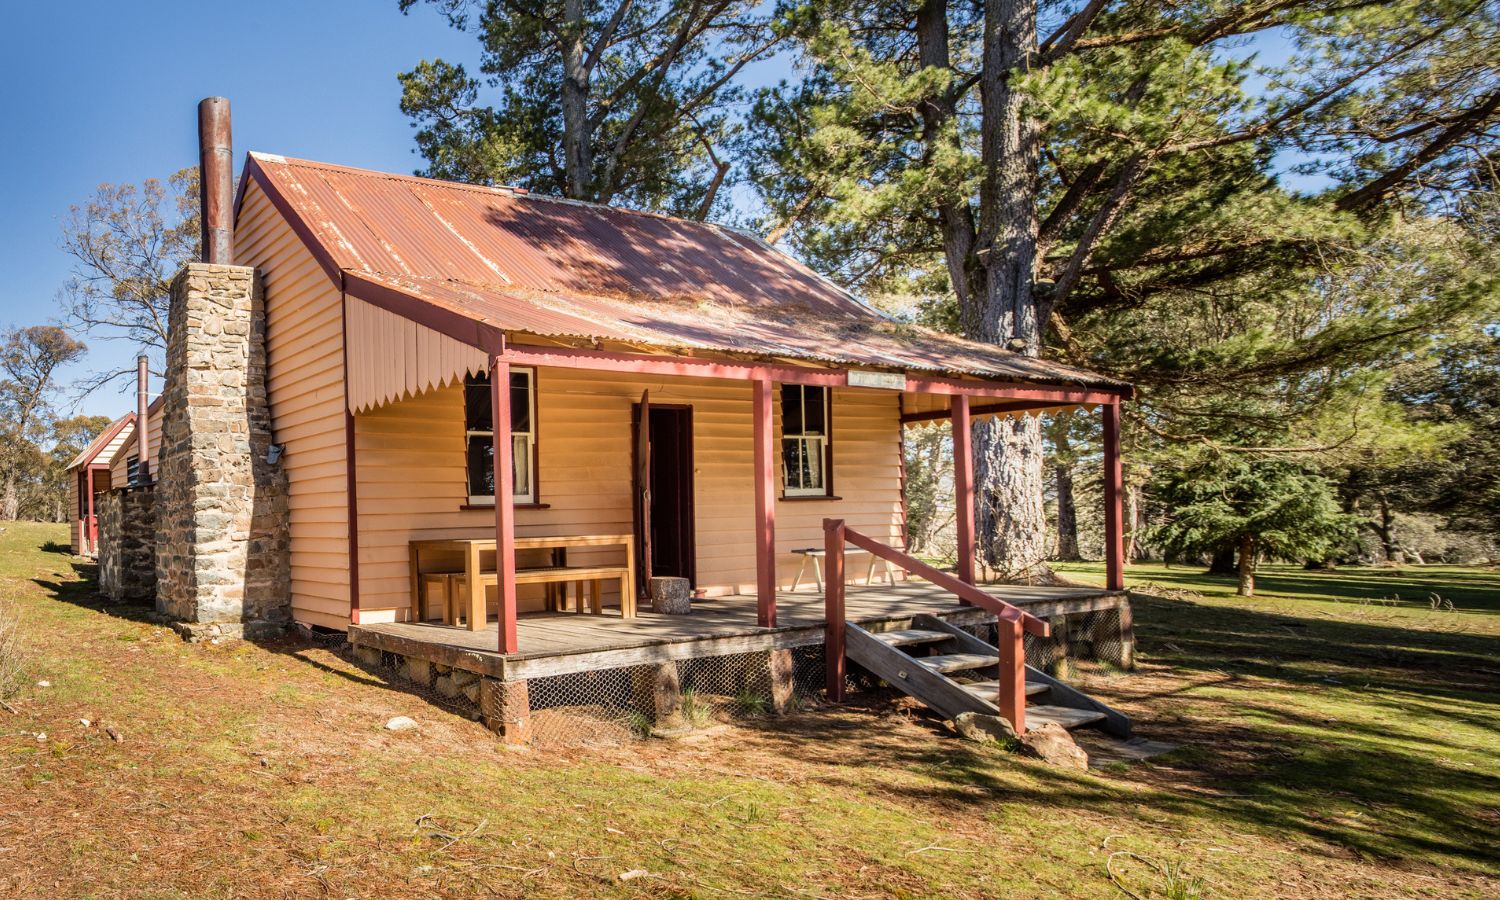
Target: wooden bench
590,581
556,575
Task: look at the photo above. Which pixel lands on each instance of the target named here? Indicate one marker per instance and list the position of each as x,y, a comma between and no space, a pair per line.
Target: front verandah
946,398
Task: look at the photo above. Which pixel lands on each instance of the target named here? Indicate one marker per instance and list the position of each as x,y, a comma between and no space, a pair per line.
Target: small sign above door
890,381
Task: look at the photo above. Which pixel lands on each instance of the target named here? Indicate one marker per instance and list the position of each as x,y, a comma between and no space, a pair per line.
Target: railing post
833,608
1012,674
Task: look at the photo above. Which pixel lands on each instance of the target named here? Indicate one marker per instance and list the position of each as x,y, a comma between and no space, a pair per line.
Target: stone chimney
222,551
222,558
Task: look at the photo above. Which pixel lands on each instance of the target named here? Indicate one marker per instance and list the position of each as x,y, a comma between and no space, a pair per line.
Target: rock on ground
983,729
1053,744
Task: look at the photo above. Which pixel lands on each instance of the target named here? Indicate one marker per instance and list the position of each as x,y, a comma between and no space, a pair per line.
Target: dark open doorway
664,491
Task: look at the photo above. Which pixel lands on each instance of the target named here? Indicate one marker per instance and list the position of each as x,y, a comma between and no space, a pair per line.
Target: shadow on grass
1371,761
56,547
83,591
1473,590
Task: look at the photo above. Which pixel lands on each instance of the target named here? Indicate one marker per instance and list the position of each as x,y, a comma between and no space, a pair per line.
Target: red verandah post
833,608
963,486
1114,513
505,513
91,524
765,506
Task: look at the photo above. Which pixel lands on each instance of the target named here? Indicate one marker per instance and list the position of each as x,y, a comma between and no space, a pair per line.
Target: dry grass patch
264,770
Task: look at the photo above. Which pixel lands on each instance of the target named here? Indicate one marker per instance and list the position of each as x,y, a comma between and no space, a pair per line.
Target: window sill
793,498
468,506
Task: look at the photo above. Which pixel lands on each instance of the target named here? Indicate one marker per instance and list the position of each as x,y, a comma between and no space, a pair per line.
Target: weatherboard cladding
528,264
106,438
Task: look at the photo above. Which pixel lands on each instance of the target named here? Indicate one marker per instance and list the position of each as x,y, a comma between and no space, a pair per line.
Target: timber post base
505,708
1124,655
783,682
659,689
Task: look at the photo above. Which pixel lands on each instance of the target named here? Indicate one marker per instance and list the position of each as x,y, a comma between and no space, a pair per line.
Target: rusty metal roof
559,268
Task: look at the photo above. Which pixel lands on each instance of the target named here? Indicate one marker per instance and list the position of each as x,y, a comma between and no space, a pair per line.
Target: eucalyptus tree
127,242
29,362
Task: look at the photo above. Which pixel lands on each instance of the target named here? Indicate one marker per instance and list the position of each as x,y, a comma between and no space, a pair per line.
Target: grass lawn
1338,739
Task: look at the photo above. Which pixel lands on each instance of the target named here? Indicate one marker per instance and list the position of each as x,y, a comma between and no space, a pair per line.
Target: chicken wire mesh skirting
612,705
1092,636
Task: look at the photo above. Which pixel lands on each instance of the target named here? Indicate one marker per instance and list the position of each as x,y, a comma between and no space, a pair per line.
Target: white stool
815,555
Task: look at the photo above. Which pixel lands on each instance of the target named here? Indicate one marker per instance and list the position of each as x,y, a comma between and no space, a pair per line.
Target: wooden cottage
111,460
775,399
469,425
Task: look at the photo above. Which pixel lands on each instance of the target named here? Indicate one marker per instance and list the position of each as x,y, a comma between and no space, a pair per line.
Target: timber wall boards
411,478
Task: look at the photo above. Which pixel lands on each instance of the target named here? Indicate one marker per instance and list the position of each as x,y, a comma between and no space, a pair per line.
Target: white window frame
809,442
519,472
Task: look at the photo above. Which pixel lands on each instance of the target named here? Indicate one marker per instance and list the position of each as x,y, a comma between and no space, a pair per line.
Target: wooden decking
559,643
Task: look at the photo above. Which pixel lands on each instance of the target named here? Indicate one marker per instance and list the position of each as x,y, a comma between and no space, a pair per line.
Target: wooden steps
919,661
958,662
903,636
989,690
1037,716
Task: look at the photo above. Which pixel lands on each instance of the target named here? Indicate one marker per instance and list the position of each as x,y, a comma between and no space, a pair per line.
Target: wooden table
471,548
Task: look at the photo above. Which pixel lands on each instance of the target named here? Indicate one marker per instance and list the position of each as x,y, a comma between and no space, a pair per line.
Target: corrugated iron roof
559,268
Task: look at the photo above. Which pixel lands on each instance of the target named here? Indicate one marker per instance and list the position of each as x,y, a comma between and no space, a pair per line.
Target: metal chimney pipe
216,180
142,420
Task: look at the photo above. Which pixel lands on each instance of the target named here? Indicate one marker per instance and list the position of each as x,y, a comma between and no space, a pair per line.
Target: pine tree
1054,166
623,102
1261,508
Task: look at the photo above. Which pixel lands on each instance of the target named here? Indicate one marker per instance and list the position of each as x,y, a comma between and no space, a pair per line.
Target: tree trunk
1132,519
578,160
1067,512
10,500
1012,519
1386,531
1223,561
1247,566
1002,309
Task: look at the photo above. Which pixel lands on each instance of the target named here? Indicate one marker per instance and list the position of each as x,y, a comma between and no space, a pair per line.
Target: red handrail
1011,620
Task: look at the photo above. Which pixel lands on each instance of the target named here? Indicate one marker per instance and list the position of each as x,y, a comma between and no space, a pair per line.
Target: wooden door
665,526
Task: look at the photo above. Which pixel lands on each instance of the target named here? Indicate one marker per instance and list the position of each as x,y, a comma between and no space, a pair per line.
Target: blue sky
107,92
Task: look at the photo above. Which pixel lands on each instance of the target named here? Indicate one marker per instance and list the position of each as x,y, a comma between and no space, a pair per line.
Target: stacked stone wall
127,544
223,564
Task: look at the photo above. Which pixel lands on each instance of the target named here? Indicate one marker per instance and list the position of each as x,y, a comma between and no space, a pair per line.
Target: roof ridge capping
507,189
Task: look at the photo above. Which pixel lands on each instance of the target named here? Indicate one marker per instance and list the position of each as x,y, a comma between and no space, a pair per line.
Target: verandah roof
510,261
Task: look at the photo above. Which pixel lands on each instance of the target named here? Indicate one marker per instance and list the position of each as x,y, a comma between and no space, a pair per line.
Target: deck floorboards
554,643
